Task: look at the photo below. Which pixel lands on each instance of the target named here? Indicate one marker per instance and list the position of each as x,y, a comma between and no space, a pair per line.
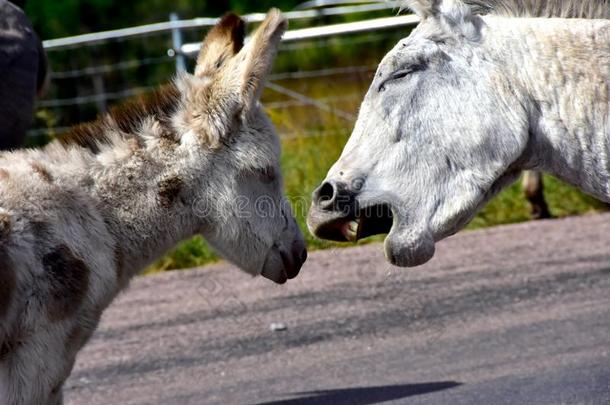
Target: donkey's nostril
325,194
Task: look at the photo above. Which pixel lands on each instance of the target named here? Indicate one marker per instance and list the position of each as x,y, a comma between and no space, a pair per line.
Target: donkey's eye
394,76
267,174
402,73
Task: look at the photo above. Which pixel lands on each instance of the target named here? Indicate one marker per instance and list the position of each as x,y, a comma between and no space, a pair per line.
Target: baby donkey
79,218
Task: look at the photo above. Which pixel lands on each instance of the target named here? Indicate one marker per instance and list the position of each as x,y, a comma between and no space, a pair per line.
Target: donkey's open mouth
364,222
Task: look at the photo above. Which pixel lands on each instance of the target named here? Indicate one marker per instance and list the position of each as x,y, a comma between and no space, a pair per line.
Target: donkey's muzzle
337,215
333,204
335,196
284,263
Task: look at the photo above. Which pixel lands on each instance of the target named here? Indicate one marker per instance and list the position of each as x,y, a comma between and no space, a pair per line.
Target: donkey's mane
127,118
589,9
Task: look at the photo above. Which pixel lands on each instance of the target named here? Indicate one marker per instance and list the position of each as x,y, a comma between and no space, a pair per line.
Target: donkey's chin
408,247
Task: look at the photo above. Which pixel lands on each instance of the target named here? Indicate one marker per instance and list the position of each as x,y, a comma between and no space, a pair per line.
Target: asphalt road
511,315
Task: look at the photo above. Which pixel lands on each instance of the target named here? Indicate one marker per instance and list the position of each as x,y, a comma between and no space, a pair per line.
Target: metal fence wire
92,73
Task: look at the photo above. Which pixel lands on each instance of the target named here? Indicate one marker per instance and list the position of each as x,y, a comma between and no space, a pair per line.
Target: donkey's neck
147,208
141,188
562,67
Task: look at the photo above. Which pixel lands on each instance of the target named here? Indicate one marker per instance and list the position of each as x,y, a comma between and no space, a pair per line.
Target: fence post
177,44
100,90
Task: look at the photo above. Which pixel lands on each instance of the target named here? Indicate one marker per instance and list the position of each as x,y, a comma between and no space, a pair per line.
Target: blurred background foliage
312,138
59,18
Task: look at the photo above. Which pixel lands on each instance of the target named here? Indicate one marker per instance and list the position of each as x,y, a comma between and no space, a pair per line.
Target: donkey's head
244,213
437,136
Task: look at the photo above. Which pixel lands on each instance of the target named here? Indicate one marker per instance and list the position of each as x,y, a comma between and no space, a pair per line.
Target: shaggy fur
126,120
590,9
461,107
522,8
79,218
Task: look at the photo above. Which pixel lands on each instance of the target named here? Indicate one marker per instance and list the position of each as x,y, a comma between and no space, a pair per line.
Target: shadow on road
364,395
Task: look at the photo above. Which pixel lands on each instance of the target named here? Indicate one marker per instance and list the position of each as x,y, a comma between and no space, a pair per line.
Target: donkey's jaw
407,244
376,219
409,247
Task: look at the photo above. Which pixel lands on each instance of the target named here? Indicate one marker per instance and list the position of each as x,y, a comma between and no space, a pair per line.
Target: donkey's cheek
408,248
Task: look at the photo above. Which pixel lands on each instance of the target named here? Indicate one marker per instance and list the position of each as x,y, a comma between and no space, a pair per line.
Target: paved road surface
511,315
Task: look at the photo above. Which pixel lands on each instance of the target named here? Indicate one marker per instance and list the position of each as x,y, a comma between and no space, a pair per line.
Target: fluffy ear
237,74
223,42
259,53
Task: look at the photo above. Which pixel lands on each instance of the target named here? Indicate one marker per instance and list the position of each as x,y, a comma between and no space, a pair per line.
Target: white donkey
81,217
479,92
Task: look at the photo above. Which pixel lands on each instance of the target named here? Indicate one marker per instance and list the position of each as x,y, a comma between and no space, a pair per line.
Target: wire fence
121,95
103,69
143,30
90,76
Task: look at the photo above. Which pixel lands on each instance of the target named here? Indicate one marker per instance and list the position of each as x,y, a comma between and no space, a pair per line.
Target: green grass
510,206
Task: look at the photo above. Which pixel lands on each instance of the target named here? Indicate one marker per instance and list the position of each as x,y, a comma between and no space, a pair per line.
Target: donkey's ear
223,42
259,53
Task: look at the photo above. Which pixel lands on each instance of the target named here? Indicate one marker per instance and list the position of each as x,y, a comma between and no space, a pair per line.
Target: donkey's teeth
350,230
